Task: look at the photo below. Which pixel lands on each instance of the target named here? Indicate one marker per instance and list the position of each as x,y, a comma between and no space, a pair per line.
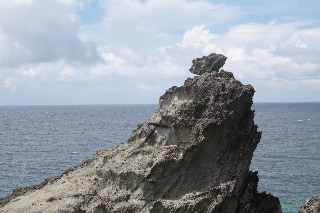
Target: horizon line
96,104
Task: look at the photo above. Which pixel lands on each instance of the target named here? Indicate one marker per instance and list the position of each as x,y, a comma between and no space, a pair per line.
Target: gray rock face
311,205
193,155
210,63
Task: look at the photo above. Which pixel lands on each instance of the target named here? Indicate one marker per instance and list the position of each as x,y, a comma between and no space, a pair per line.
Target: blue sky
131,51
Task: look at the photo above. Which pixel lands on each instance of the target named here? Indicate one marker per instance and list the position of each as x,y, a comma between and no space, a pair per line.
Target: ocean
41,141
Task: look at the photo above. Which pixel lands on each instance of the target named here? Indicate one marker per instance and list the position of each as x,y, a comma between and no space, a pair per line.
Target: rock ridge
192,155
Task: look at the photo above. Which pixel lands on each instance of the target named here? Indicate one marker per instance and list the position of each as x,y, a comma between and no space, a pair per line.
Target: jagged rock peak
210,63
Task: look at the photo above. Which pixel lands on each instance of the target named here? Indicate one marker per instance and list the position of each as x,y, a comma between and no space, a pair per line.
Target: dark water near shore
41,141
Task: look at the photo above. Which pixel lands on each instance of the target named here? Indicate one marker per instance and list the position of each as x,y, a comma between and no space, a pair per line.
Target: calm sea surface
41,141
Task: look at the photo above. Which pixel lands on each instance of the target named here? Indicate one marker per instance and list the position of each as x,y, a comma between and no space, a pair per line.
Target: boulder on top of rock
210,63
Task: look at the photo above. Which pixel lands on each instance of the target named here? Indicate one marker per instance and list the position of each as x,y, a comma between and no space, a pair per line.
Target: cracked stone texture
193,155
210,63
311,205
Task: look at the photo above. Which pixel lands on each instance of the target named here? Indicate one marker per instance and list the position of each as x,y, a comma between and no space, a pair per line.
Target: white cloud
257,51
261,35
165,14
68,73
301,43
42,31
22,2
199,37
148,87
148,41
146,25
312,83
113,66
32,72
9,83
272,58
163,64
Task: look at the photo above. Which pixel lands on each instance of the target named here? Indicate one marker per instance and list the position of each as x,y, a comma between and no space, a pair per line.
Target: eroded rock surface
210,63
311,205
193,155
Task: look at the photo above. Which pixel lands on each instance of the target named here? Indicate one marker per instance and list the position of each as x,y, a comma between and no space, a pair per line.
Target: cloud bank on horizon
131,51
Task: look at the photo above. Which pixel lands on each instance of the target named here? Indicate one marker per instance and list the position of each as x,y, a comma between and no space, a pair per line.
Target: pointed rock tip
207,64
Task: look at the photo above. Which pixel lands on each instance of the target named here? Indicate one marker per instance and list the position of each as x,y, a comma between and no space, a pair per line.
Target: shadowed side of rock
193,155
253,201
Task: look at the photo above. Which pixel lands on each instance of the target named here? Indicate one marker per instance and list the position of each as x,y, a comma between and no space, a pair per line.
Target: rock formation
311,205
210,63
193,155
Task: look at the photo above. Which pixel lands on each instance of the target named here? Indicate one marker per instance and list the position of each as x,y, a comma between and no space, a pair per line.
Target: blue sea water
288,156
41,141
